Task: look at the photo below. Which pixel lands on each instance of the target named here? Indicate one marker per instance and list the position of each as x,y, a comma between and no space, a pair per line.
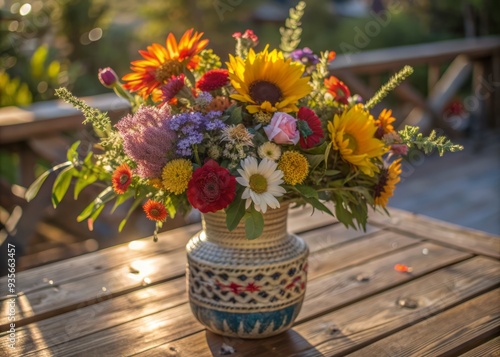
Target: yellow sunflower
267,81
161,63
387,183
352,134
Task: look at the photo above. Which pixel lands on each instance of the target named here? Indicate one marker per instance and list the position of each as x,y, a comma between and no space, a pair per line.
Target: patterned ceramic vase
246,288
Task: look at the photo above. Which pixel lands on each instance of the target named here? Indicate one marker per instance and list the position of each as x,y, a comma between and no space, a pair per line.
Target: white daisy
270,151
262,183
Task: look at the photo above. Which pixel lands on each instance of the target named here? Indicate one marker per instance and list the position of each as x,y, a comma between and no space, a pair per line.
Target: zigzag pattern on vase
247,325
245,289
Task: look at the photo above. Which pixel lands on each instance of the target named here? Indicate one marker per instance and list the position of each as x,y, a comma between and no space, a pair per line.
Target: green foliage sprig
291,32
99,120
393,82
414,139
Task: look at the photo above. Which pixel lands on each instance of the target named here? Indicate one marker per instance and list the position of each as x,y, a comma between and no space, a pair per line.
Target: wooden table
131,299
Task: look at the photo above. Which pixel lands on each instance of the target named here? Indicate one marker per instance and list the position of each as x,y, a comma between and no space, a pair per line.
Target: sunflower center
351,143
380,186
258,183
261,91
168,69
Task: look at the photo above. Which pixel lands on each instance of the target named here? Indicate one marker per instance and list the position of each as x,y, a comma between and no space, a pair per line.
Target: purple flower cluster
304,56
147,139
190,127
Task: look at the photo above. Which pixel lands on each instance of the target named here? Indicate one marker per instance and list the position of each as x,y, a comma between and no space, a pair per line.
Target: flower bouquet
240,144
273,126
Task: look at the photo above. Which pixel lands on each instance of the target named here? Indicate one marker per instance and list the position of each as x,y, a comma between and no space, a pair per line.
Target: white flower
270,151
262,183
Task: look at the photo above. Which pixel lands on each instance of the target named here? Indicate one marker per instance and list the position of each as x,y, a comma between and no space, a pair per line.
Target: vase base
247,325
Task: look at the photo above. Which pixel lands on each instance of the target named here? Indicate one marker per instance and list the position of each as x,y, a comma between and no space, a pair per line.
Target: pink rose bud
399,149
107,77
283,129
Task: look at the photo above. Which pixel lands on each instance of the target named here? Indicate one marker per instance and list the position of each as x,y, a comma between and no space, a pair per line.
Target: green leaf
72,153
61,185
190,77
314,160
93,217
104,197
236,210
236,116
136,203
332,172
121,199
307,191
318,205
254,224
32,191
84,180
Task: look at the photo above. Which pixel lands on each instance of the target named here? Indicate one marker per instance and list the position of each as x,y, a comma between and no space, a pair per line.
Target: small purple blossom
147,139
203,99
191,127
304,56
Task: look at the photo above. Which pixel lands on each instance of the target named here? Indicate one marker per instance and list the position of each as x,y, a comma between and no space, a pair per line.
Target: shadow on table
285,344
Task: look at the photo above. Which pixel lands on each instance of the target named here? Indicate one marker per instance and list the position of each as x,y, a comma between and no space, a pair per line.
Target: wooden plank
448,333
490,348
356,325
377,275
345,292
443,232
388,59
108,313
101,261
45,118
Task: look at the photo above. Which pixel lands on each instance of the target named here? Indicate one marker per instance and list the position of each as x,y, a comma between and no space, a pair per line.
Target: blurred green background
45,44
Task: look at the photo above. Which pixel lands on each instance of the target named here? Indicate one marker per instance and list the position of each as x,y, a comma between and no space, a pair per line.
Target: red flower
172,88
121,179
310,129
212,80
155,211
337,89
211,188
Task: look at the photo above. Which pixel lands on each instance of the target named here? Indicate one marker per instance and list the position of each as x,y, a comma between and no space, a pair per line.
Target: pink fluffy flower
147,139
282,129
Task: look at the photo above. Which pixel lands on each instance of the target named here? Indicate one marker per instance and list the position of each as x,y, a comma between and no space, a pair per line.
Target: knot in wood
362,277
407,303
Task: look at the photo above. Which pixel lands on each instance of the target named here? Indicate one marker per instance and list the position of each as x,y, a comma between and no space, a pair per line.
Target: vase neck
275,223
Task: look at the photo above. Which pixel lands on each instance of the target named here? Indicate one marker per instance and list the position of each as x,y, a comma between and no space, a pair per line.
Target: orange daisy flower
384,123
339,91
155,211
161,63
121,179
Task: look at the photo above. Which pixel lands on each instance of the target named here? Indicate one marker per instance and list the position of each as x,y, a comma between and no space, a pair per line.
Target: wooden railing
36,131
481,56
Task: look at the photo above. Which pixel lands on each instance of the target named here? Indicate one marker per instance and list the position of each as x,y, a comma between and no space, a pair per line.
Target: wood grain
490,348
444,233
449,333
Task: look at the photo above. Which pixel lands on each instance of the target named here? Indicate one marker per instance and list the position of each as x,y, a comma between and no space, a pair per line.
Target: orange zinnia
339,91
161,63
155,211
121,179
